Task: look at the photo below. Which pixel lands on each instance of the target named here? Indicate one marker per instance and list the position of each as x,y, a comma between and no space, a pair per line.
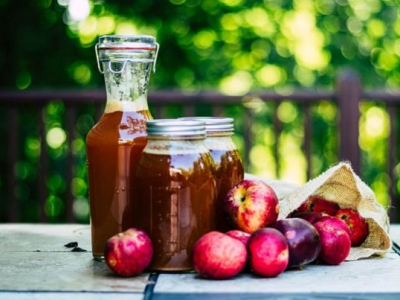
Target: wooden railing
347,96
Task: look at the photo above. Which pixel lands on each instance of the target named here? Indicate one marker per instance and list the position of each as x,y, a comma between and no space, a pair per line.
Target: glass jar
115,143
176,191
228,163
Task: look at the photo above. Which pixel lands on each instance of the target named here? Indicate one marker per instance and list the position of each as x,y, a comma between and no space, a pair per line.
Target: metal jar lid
124,48
214,124
175,127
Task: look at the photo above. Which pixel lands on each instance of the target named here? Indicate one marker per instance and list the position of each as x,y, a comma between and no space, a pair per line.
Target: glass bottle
115,143
176,199
228,163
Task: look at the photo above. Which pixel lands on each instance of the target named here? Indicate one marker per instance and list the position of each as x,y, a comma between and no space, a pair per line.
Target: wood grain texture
376,275
36,265
34,259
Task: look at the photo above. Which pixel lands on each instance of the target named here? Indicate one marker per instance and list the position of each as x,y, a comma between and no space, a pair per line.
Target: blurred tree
233,46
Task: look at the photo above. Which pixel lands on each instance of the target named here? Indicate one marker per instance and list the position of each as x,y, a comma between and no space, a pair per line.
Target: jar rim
214,124
175,127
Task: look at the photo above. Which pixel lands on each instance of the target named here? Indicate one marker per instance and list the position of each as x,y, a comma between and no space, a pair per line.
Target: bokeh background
230,46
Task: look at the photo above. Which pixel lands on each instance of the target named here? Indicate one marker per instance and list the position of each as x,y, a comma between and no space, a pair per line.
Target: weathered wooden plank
12,144
348,97
36,275
391,164
70,124
307,139
248,136
167,96
217,110
375,275
44,238
69,296
188,110
42,168
391,97
283,296
160,111
34,259
99,110
62,271
395,233
277,130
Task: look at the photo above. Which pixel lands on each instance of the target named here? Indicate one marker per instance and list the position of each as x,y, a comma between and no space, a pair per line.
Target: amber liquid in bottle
115,143
176,205
228,172
114,146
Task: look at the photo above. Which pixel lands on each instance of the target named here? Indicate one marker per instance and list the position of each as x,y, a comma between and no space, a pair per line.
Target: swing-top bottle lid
123,48
127,42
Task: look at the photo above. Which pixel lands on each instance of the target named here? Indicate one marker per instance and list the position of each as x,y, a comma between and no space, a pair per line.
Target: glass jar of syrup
175,191
228,163
115,143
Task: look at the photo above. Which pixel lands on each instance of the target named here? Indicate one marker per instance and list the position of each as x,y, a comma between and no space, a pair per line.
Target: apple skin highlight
218,256
251,205
268,252
128,253
335,241
358,226
318,204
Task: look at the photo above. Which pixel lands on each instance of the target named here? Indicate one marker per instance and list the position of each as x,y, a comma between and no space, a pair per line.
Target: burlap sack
341,185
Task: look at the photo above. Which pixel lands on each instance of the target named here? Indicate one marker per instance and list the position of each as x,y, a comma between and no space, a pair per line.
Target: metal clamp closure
154,60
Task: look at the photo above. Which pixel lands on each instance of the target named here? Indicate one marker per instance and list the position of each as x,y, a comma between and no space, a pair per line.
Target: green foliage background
234,46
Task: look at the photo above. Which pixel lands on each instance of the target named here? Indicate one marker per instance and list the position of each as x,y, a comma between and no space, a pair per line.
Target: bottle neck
126,85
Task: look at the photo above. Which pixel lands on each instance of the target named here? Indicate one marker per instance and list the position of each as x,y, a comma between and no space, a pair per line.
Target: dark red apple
268,252
251,205
319,204
128,253
358,226
218,256
335,242
333,220
309,216
302,238
239,235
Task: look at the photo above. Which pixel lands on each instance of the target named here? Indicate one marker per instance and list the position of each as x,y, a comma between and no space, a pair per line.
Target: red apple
309,216
335,242
358,226
336,221
244,238
268,252
251,205
128,253
218,256
302,238
319,204
239,235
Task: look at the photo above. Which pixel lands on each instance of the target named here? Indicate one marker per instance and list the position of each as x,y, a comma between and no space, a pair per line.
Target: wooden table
36,265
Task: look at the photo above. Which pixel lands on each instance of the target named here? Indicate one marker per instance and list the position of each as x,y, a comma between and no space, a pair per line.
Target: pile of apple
317,230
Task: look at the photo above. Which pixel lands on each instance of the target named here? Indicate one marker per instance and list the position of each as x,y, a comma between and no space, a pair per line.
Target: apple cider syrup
175,191
228,165
115,143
